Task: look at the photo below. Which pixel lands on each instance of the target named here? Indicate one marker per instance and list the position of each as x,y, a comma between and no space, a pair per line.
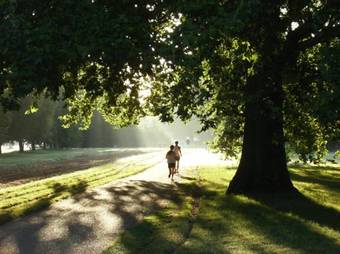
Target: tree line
43,128
38,123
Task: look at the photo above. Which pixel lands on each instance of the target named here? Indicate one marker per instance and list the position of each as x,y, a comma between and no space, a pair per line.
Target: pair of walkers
173,156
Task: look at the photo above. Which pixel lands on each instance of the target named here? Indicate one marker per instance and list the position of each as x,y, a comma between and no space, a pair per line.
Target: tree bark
33,146
263,166
0,149
21,146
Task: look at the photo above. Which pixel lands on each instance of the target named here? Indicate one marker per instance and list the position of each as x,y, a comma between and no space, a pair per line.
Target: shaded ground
15,174
87,223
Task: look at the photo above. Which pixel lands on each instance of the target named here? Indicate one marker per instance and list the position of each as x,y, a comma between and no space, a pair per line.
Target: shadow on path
88,222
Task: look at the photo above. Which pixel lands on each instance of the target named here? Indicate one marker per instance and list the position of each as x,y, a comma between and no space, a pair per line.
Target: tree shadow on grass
300,211
232,225
262,224
275,219
309,167
187,178
303,207
314,175
296,208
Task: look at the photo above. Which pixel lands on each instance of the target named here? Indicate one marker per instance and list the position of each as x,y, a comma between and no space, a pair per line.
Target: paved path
88,223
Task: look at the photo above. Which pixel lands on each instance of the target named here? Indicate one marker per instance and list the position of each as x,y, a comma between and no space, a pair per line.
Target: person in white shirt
171,158
178,152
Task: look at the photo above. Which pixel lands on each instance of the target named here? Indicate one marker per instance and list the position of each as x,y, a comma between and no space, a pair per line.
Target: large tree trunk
21,146
263,166
33,146
0,149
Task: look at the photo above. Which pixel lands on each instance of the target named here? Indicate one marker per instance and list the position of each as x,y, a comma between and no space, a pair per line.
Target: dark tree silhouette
259,73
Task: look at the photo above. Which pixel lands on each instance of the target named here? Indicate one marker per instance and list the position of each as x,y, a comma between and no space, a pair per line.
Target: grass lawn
208,221
28,158
22,199
19,168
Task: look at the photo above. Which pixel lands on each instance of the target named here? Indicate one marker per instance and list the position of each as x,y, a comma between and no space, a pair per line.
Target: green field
50,156
20,168
208,221
22,199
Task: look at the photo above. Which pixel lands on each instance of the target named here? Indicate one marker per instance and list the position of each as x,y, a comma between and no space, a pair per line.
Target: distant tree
99,134
40,122
108,136
19,124
258,72
127,137
61,137
4,125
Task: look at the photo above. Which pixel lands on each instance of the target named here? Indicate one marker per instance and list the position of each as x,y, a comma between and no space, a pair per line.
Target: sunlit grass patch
19,168
319,183
23,199
46,156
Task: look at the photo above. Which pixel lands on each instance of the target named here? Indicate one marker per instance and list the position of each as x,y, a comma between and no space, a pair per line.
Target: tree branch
325,35
313,22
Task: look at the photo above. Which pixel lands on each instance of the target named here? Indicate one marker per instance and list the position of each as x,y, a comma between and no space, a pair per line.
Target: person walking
178,153
171,159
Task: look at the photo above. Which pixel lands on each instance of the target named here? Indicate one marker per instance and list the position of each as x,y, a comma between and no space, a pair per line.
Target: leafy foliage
73,45
186,58
219,47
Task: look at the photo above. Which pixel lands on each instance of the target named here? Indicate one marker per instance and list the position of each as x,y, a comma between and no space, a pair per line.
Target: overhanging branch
314,22
325,35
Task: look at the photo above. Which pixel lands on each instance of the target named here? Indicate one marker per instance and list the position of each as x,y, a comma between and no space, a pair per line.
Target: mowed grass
20,168
22,199
47,156
308,222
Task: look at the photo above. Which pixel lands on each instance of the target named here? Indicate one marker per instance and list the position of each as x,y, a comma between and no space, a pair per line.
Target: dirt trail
88,223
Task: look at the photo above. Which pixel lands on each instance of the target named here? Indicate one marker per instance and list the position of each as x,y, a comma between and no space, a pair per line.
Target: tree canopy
260,73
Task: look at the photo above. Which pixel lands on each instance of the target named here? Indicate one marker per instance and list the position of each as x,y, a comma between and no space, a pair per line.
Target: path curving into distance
87,223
